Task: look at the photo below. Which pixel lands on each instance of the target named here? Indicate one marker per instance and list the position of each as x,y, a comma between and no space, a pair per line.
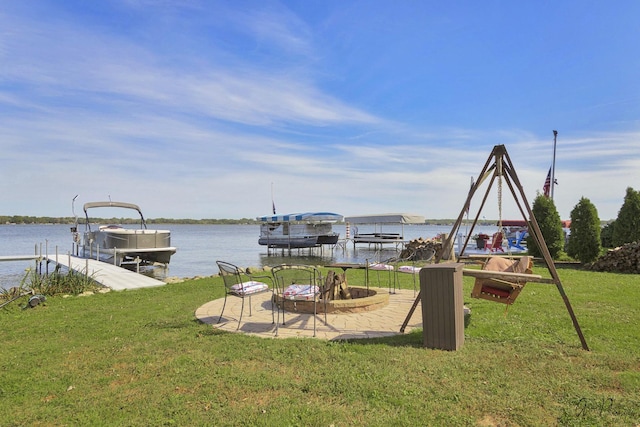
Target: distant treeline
22,219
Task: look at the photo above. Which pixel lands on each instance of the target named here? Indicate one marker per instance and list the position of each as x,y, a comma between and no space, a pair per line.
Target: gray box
442,306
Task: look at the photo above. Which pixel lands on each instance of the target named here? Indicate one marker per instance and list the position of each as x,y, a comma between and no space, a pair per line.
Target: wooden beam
506,275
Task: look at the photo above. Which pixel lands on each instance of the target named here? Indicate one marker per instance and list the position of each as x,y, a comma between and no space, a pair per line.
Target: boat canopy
392,218
306,216
522,223
111,205
513,223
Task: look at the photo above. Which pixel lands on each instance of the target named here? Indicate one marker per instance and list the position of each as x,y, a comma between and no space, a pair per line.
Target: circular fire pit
361,300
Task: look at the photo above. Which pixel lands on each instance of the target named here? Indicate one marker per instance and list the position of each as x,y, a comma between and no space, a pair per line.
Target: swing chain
500,200
500,196
500,227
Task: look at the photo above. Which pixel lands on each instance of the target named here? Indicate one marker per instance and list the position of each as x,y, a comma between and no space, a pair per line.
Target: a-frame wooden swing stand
499,166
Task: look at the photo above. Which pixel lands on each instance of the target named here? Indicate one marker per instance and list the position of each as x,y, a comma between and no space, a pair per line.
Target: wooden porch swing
502,278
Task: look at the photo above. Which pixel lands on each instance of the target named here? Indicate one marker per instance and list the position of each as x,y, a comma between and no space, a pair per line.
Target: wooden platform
109,275
19,257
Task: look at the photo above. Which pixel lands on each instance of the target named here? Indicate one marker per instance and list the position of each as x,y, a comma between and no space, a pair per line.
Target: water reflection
199,246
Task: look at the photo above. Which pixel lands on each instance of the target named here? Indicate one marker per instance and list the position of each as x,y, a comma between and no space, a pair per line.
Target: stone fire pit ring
362,300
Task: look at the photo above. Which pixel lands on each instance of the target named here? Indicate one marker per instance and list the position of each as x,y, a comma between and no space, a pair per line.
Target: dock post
46,253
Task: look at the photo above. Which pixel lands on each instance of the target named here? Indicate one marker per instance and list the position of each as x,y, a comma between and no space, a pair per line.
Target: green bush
584,241
550,224
627,225
606,235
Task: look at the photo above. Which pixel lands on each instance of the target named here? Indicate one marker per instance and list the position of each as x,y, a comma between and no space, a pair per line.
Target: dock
106,274
109,275
19,257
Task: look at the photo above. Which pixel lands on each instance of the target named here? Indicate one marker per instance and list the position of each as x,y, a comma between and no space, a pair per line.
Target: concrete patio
382,322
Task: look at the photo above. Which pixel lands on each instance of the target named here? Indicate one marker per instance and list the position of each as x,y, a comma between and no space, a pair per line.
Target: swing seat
510,276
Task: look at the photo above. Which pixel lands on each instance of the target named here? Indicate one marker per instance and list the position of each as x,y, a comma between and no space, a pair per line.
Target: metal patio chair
412,264
241,284
296,284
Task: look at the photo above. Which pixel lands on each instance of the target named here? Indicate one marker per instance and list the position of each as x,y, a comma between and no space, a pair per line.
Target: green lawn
140,358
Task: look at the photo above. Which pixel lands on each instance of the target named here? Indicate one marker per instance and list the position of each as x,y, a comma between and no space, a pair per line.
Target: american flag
547,184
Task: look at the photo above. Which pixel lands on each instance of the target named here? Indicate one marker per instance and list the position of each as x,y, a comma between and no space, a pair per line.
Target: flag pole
553,166
273,202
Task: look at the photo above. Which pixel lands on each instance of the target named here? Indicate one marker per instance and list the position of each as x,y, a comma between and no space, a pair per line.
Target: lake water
199,246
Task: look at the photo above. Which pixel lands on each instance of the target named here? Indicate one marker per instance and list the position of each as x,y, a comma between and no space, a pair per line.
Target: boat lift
379,238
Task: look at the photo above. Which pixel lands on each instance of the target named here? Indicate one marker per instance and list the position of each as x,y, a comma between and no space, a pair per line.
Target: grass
55,283
139,358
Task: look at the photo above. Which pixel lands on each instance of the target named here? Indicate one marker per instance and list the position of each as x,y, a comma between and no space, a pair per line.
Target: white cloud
92,111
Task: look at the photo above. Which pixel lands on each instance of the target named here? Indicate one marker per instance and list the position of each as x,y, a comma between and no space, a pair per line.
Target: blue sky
198,109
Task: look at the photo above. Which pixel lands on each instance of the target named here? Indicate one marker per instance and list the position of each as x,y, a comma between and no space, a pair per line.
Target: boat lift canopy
522,223
379,238
392,218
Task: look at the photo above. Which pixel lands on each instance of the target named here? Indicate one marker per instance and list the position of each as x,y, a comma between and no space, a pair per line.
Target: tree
606,235
584,241
627,225
550,224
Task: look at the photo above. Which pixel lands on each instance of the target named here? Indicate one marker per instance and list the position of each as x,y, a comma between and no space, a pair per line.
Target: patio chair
496,242
517,241
243,285
412,264
378,266
298,284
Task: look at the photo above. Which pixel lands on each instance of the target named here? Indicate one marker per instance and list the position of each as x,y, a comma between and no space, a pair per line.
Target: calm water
199,246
